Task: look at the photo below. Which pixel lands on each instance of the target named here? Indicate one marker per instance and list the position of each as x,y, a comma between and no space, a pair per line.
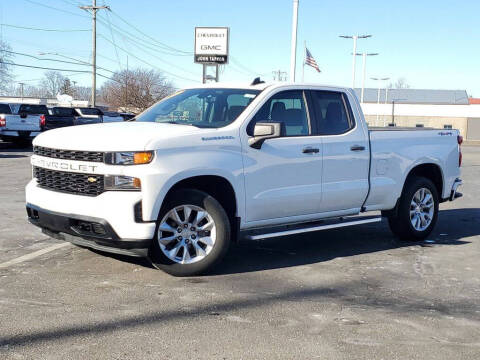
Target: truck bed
395,128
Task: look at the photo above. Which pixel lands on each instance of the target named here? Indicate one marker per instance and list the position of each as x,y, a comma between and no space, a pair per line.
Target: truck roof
264,85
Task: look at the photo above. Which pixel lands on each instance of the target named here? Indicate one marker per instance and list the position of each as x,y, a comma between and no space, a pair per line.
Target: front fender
183,165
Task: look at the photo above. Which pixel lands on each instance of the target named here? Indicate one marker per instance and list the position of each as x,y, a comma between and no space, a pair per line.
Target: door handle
310,150
357,148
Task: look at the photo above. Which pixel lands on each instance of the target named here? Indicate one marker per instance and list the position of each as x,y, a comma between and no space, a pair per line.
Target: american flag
309,60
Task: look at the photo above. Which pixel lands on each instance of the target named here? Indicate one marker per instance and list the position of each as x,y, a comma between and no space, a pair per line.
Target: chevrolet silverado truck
212,164
20,123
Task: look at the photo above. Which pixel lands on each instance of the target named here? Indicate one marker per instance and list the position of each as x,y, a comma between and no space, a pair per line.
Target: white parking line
33,255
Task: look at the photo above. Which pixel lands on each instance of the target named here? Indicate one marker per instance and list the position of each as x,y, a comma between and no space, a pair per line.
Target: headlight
129,158
114,182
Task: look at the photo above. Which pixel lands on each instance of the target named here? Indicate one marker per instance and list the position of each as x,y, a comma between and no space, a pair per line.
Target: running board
316,227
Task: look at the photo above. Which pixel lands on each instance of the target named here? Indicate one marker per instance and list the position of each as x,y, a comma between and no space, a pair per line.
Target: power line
38,79
41,29
76,72
56,9
125,34
148,36
113,39
149,64
56,60
156,57
43,68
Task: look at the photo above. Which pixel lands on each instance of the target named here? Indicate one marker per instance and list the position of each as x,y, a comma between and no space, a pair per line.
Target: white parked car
209,164
20,123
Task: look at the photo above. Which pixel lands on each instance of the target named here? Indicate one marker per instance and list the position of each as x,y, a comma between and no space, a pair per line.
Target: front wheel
193,234
417,210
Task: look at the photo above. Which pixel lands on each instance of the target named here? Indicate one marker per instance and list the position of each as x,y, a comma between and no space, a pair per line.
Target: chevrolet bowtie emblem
92,179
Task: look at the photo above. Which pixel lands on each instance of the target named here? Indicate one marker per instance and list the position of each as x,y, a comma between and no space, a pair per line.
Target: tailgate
16,123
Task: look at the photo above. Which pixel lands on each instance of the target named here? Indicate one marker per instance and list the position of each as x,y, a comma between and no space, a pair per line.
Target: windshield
206,108
33,109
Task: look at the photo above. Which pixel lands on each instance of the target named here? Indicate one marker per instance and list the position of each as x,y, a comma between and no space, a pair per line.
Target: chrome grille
94,156
72,183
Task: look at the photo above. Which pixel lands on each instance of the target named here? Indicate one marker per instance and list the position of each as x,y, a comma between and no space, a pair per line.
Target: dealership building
445,109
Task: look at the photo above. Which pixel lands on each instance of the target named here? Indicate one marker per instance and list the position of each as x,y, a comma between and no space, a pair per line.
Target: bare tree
82,93
52,82
67,87
6,74
135,90
401,83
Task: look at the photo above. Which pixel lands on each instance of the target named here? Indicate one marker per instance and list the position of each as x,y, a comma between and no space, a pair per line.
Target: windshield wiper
178,123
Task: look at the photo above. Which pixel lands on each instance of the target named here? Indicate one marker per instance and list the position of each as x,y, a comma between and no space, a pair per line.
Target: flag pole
304,56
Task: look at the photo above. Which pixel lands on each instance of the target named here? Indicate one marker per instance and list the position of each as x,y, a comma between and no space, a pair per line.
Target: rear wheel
417,211
193,234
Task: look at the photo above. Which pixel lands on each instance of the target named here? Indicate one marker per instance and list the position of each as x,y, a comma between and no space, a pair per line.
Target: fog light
114,182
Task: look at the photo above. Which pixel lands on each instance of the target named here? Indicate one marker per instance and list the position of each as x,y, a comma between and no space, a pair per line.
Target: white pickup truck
20,123
209,164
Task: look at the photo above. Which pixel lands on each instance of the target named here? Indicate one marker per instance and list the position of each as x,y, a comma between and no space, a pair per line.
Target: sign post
211,49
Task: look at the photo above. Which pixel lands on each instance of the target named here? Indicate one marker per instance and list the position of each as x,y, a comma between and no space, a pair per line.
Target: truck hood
124,136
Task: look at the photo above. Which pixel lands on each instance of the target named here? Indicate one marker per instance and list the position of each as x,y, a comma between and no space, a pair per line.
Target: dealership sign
211,45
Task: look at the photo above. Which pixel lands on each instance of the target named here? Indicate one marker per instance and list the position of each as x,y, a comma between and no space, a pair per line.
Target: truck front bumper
105,222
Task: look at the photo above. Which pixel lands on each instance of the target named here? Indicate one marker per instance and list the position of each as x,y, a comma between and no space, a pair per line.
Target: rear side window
59,111
287,107
33,109
5,109
90,111
333,113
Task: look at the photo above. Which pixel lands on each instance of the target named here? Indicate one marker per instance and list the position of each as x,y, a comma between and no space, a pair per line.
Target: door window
288,108
333,114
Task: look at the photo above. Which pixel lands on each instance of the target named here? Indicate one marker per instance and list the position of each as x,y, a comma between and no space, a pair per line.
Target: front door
284,178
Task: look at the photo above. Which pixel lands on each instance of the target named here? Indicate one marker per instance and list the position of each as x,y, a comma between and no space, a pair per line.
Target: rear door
345,152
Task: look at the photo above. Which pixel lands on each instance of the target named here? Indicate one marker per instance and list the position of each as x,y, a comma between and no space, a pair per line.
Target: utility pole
364,65
293,54
127,75
21,90
279,75
355,38
74,88
93,9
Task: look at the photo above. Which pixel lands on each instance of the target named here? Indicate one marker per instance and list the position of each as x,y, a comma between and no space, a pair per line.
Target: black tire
223,234
400,223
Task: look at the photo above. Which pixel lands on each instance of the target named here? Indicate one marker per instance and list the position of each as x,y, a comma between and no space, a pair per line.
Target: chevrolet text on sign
211,45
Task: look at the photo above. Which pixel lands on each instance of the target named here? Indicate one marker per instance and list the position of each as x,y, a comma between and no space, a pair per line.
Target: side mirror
264,131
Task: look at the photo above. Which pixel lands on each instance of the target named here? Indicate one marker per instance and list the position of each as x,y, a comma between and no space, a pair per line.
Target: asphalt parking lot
339,294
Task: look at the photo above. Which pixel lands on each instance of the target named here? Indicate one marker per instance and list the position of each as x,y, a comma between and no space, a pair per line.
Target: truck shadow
453,225
12,156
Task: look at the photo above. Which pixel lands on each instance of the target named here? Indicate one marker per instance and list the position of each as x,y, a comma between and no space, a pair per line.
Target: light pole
293,54
378,95
354,37
21,89
364,65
